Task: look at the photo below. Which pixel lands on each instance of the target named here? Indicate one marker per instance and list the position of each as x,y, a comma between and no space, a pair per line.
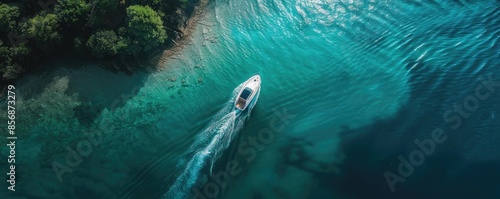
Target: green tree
45,30
12,72
8,14
105,43
71,11
145,27
4,55
20,52
103,13
9,59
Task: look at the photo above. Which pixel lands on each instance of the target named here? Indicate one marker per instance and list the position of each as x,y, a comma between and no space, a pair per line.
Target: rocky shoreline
183,39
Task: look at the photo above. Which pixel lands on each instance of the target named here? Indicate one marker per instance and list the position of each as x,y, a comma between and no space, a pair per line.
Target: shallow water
347,88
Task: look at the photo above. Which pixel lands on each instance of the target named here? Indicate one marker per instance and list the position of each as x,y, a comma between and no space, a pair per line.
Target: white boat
248,95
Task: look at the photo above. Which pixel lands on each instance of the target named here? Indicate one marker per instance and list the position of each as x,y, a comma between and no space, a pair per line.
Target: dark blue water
348,87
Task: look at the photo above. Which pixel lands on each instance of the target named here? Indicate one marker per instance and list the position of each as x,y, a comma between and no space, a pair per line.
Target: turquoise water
346,88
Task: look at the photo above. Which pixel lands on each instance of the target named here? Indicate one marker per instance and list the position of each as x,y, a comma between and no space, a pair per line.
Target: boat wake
207,148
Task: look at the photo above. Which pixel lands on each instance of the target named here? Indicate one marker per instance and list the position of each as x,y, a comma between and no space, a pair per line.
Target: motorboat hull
248,95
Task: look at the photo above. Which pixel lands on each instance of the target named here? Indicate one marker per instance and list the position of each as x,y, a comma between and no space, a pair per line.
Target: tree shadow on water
110,91
96,88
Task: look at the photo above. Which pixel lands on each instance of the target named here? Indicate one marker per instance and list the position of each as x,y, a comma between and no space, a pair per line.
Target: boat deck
240,103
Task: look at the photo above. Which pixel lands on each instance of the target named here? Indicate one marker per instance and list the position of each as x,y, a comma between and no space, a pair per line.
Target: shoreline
179,24
159,61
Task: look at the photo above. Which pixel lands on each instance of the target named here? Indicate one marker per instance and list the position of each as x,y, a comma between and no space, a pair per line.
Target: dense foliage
145,27
8,15
44,29
113,31
71,11
105,43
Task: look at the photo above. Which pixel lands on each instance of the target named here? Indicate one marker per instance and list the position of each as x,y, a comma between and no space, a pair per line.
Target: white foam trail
207,148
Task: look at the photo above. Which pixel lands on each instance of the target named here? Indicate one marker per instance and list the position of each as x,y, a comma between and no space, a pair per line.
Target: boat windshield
246,93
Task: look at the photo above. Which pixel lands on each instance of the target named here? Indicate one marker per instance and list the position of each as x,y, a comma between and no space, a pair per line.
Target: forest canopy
110,31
